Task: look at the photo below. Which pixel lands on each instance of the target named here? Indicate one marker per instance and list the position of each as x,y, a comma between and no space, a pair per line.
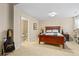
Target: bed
52,35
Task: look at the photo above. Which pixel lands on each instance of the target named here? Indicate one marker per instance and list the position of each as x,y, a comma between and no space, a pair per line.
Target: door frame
23,18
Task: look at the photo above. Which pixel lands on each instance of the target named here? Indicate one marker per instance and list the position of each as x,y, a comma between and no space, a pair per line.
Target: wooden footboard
52,39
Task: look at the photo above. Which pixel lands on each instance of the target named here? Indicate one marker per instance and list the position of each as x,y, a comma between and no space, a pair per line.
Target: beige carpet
34,49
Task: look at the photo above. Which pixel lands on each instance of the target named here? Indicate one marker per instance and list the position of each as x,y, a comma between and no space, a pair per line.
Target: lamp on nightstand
42,31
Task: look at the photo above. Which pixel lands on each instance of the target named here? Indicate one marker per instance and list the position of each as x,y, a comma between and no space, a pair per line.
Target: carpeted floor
34,49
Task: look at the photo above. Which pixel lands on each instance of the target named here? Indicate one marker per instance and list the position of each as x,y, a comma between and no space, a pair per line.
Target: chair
9,44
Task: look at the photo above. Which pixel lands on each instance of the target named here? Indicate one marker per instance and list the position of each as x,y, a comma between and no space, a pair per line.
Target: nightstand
66,36
77,39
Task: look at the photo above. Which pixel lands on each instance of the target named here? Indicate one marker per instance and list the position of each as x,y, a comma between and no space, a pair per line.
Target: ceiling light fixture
52,14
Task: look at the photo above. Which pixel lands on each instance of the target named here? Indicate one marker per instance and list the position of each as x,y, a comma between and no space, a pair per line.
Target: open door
24,29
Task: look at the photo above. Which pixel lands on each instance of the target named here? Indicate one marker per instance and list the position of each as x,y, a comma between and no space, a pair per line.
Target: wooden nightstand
67,37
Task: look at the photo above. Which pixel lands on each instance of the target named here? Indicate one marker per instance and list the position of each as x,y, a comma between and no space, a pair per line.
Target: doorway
24,29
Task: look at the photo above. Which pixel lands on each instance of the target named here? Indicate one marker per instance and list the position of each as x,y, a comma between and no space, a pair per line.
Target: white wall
17,31
4,19
11,15
66,23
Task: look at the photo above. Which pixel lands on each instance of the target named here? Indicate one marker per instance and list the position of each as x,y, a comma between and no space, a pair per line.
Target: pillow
55,31
49,31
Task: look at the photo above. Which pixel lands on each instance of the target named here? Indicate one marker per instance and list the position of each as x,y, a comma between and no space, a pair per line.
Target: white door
24,29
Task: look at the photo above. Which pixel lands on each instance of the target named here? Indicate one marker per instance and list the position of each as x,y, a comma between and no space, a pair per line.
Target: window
77,22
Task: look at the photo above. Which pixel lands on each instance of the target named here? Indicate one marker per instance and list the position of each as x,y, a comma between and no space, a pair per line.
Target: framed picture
34,26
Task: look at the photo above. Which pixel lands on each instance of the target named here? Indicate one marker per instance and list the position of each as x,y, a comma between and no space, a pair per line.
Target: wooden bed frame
52,39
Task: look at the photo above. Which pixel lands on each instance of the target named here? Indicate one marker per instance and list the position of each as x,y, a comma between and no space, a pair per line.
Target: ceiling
41,10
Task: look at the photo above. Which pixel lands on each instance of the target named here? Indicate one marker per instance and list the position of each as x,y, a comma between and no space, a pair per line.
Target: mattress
53,34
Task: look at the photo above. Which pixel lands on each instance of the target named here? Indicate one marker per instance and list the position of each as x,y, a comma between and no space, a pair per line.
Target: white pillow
49,31
55,31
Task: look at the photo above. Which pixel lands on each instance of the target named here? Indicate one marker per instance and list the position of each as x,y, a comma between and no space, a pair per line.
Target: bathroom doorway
24,29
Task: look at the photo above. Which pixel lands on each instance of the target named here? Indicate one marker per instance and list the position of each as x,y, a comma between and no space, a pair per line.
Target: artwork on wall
34,26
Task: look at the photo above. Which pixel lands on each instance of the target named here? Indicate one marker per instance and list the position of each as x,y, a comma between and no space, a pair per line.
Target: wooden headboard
52,28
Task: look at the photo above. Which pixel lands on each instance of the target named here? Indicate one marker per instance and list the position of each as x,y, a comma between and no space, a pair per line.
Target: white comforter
57,34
